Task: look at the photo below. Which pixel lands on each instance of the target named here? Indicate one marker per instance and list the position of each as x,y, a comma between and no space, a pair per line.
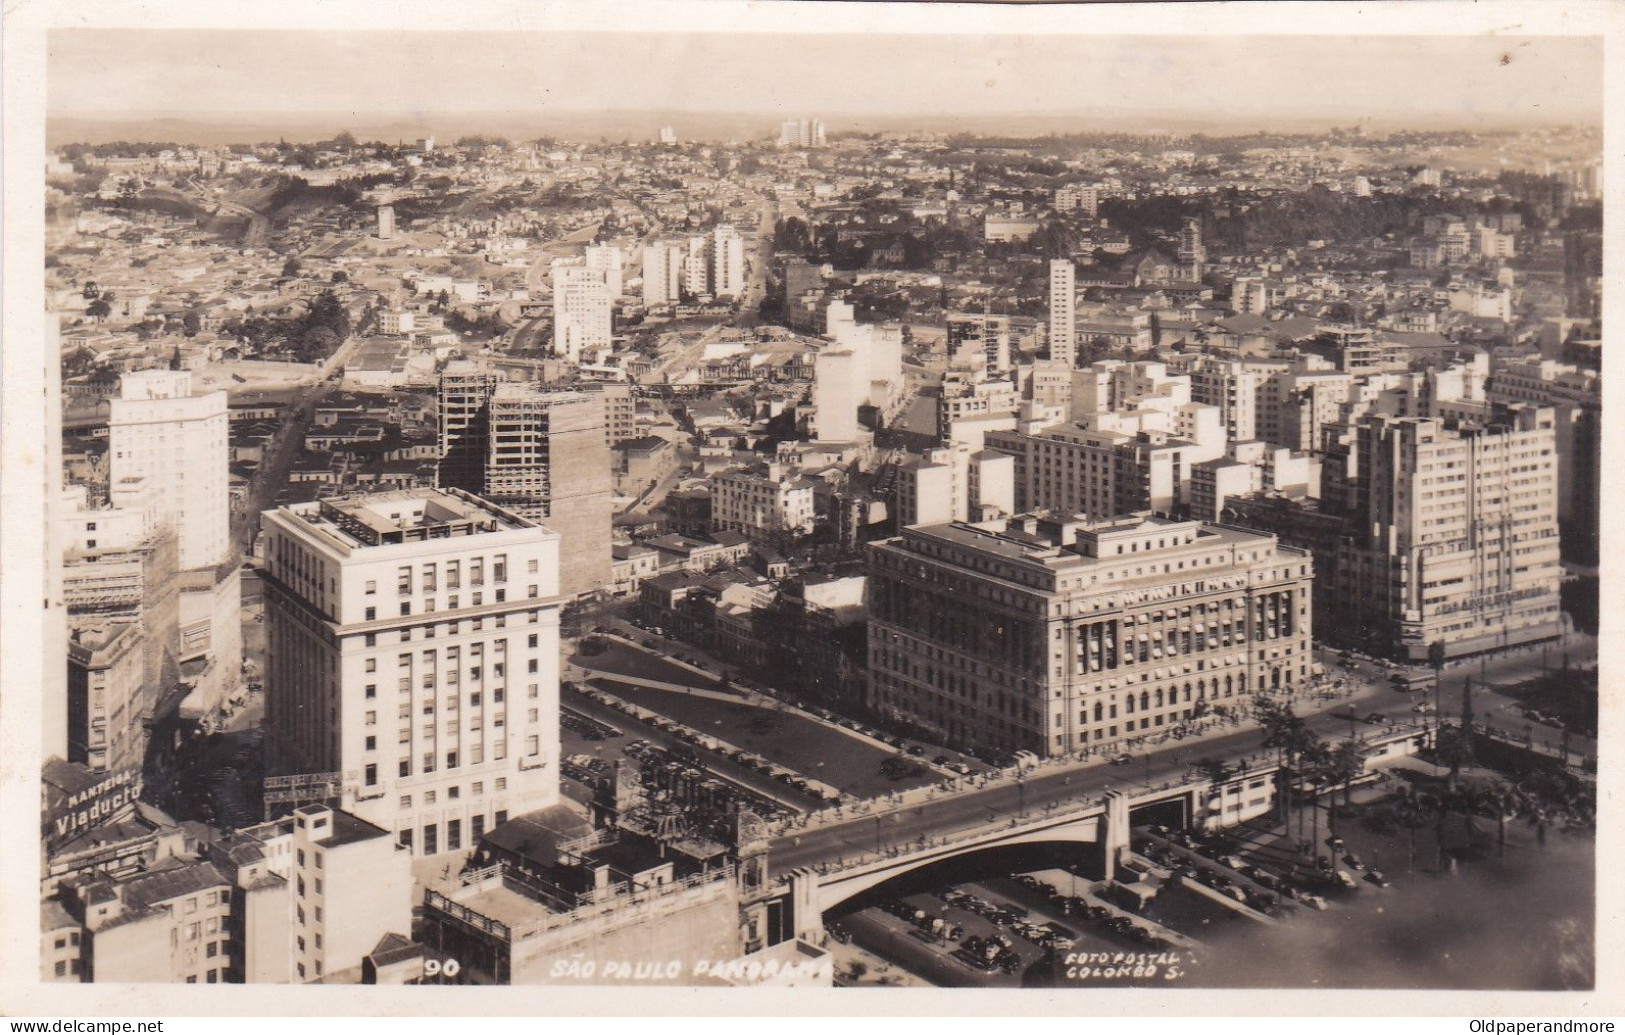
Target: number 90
448,968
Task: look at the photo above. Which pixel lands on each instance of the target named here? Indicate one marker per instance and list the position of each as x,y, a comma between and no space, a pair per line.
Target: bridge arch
977,863
1080,839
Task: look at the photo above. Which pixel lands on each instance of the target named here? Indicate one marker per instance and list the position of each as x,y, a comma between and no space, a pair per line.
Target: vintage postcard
803,506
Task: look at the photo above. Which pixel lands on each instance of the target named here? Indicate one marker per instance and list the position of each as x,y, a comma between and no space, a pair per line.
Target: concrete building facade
160,431
412,656
1056,637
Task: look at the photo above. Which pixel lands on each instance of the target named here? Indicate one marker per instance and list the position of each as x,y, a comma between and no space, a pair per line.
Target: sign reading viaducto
90,805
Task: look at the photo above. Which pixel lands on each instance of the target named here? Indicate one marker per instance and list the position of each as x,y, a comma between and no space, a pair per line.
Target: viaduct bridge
797,872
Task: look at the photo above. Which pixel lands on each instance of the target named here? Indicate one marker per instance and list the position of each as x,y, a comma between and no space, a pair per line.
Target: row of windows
454,834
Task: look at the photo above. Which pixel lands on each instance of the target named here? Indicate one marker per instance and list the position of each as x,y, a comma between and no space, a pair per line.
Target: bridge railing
927,843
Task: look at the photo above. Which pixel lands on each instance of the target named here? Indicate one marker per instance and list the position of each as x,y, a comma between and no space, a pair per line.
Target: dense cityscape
828,558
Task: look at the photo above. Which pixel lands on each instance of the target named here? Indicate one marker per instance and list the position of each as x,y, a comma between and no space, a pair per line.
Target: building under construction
540,453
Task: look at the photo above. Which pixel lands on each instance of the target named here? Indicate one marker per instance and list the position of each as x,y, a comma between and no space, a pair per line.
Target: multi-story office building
1192,253
1233,387
412,655
1056,637
620,410
120,561
727,262
954,483
107,698
207,920
1431,531
1072,470
542,454
1575,397
1063,327
1461,522
582,310
697,269
160,431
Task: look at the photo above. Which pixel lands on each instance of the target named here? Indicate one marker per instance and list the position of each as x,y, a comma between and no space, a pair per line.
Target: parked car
1123,760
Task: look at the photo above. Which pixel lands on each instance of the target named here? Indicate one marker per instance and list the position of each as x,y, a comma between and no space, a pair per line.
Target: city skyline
783,494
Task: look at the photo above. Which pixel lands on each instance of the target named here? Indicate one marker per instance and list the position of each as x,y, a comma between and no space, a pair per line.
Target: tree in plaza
1345,763
99,309
1458,748
191,323
90,291
290,268
1314,763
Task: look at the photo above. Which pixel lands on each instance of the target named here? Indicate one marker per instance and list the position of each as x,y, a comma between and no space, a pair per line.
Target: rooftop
404,515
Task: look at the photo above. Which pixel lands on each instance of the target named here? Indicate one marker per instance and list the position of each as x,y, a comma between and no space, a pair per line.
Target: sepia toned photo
845,509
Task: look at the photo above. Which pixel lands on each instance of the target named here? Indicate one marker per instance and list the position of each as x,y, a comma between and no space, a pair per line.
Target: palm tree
1436,656
1345,763
1315,764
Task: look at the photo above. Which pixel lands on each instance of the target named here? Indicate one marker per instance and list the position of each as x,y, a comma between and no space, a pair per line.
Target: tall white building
727,262
662,273
413,653
801,133
697,268
161,431
386,222
668,135
1063,327
840,386
607,259
582,307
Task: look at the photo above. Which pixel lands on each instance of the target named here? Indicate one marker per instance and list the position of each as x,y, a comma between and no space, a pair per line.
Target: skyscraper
412,655
1063,333
662,273
161,431
727,262
1192,254
582,307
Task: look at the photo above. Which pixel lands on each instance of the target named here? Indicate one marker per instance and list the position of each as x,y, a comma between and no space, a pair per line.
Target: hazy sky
213,72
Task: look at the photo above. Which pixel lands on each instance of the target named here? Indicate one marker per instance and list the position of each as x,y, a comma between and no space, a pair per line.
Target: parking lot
812,748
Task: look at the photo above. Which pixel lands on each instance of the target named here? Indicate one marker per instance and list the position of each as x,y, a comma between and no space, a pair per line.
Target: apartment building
349,884
1054,637
427,612
762,501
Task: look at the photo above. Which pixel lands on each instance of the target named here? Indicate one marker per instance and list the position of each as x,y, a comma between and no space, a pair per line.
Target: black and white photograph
808,497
